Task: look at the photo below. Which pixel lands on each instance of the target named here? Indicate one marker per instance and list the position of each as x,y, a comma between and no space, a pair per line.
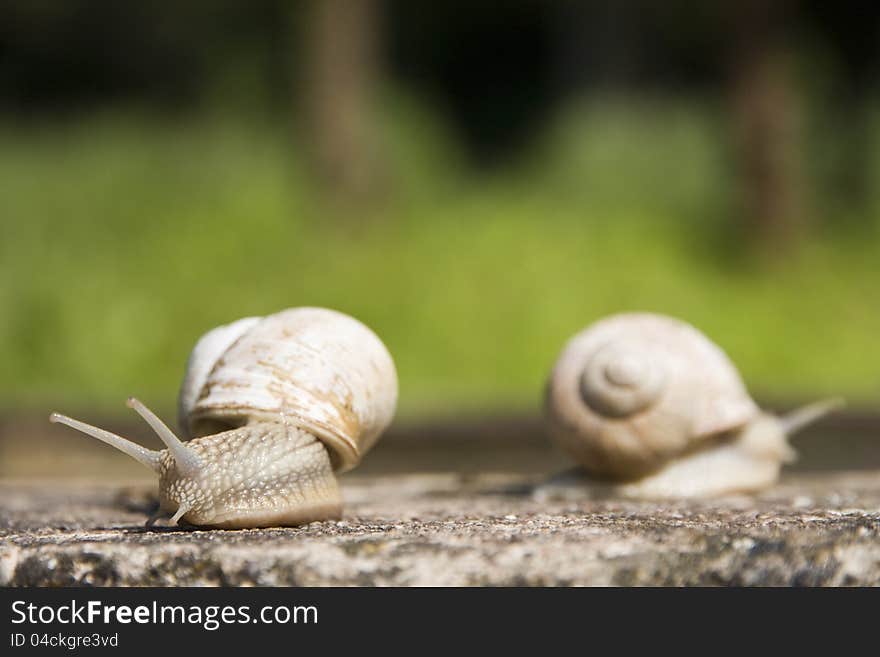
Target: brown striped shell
316,369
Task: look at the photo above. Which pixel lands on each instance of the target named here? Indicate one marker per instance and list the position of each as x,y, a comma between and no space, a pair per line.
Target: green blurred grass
125,236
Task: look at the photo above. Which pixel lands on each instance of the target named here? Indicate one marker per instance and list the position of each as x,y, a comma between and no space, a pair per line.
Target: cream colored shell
207,351
634,391
317,369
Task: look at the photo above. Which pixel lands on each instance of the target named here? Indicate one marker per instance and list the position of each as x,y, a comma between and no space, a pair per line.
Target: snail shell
634,391
320,370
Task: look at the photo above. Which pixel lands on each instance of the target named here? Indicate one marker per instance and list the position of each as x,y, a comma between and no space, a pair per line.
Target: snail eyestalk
186,460
148,457
806,415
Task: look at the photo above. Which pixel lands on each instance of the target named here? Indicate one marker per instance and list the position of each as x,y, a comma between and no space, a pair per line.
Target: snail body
273,407
650,406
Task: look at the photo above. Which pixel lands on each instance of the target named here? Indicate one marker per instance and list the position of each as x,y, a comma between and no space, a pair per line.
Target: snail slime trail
652,408
270,410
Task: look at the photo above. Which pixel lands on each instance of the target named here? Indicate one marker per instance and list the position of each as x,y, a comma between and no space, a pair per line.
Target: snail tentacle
186,460
805,415
148,457
181,511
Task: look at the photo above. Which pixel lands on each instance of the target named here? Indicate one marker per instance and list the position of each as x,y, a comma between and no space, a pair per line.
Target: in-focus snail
653,408
274,406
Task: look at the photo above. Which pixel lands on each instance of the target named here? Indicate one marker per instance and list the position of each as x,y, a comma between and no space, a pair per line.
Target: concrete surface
446,529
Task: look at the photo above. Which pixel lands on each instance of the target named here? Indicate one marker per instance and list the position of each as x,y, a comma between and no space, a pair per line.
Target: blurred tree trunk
341,78
766,124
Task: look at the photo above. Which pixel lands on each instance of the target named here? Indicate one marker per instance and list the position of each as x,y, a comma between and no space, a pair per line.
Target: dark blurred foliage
496,68
63,56
473,179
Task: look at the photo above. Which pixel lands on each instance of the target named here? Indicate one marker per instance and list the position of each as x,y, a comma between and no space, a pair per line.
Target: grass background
126,235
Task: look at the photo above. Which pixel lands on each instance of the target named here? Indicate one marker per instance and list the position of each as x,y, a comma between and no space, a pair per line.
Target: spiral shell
633,391
316,369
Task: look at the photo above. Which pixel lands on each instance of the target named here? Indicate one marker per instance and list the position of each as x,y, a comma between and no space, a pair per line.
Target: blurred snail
649,405
274,406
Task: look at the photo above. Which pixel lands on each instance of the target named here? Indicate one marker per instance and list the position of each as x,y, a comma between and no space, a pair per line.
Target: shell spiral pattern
633,391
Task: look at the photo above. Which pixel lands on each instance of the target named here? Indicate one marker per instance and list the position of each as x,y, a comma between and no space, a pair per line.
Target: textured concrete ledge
452,530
